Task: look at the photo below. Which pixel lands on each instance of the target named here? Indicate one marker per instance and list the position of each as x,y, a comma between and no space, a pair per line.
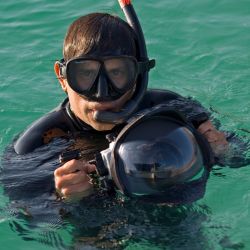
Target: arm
216,139
229,149
37,134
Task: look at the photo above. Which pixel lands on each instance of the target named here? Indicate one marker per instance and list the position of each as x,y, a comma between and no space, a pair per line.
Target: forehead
109,52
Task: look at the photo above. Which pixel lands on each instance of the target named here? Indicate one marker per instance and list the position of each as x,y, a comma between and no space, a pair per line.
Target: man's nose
102,87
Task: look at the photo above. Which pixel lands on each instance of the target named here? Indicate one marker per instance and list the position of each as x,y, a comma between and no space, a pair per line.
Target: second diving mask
158,156
156,151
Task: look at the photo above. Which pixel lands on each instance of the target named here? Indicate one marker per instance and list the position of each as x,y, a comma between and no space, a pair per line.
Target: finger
205,127
211,136
71,179
77,191
69,167
89,168
216,136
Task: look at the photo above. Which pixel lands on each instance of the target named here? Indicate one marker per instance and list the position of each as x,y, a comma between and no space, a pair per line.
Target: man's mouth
103,106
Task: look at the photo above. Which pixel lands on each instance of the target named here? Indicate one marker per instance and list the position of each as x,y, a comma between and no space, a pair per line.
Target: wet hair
99,34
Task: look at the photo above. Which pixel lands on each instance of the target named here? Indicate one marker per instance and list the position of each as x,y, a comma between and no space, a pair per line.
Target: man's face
85,108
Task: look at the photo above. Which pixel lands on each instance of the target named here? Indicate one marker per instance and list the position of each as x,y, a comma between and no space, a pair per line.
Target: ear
61,79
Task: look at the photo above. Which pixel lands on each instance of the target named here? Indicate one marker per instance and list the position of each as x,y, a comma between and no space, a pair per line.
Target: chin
102,126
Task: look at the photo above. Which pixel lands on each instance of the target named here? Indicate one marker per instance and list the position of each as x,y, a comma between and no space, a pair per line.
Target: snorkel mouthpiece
115,118
142,81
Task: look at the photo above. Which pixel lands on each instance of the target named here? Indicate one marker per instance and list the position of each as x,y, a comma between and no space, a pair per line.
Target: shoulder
190,108
158,96
53,124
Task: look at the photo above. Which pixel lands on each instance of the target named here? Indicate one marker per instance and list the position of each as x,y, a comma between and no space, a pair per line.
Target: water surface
202,50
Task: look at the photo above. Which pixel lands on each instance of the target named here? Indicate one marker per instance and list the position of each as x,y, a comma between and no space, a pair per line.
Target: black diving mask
103,78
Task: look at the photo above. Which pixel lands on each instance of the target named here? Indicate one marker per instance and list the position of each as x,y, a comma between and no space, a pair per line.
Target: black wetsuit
63,118
28,181
28,168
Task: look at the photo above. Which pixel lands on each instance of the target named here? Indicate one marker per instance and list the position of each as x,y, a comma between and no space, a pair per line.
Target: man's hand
216,139
72,181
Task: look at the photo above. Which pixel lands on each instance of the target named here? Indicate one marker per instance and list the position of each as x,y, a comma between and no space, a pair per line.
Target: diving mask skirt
154,152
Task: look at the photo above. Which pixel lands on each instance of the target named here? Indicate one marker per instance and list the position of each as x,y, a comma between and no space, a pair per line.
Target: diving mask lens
82,73
121,72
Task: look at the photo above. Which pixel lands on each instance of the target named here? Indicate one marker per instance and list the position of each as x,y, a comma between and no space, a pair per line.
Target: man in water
101,73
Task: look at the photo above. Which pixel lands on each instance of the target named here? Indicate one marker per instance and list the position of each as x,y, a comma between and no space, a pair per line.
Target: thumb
89,168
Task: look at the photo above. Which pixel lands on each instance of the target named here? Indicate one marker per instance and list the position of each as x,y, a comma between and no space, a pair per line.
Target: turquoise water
202,50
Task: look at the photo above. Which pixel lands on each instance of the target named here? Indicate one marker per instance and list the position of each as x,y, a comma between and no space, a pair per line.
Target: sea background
202,49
